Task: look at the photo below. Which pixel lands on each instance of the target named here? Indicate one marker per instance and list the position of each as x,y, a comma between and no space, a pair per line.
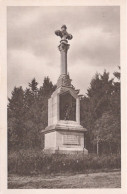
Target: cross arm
58,33
69,37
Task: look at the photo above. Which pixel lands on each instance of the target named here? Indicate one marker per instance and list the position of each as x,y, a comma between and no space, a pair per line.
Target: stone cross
63,34
63,47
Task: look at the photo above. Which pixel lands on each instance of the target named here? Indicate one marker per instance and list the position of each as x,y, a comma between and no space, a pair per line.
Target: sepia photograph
63,70
64,99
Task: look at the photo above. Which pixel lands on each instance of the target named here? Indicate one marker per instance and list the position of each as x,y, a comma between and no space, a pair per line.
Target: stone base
65,138
66,151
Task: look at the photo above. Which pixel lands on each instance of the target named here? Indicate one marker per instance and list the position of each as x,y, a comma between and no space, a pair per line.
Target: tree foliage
100,113
27,114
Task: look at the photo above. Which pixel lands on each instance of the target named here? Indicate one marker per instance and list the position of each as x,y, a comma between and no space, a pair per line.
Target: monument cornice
62,126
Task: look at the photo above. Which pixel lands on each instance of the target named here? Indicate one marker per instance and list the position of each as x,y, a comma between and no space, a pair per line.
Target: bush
28,162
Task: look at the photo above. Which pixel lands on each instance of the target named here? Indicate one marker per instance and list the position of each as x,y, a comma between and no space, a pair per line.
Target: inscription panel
71,140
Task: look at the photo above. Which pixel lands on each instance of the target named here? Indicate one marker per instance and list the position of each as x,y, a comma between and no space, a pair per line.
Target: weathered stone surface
50,140
64,136
54,105
64,80
64,142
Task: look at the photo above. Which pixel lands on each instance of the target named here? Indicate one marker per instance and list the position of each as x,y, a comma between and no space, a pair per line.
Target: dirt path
92,180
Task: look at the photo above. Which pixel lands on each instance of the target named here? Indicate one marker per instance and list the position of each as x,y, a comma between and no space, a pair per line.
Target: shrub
26,162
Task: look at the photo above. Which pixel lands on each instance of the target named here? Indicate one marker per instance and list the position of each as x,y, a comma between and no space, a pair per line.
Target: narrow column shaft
63,48
63,62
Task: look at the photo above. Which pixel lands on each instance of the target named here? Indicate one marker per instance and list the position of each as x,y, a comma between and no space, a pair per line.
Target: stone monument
64,134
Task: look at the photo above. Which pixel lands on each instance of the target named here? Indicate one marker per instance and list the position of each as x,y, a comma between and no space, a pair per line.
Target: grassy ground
91,180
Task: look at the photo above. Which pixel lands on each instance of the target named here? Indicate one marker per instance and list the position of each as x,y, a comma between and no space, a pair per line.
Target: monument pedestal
65,137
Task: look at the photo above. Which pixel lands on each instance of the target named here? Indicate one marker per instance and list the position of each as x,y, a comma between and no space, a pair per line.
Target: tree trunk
97,146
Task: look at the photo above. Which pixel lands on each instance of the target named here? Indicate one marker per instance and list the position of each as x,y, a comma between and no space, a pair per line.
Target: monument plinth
64,133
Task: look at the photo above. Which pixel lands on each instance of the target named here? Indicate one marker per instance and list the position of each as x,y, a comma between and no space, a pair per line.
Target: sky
32,46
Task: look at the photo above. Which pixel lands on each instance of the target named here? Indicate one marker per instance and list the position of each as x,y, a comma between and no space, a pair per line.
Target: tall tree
33,85
16,117
99,94
47,88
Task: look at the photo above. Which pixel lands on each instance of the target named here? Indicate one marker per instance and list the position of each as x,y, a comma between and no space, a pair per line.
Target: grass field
91,180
